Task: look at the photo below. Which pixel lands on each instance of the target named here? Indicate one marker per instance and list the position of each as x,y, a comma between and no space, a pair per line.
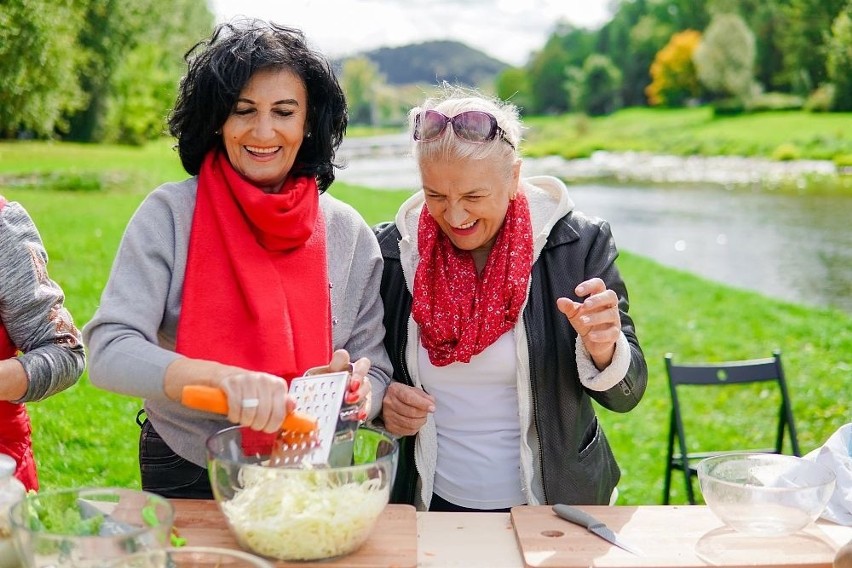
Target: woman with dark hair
247,274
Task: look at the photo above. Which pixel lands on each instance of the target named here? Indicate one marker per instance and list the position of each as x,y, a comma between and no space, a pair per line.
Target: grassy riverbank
779,135
87,436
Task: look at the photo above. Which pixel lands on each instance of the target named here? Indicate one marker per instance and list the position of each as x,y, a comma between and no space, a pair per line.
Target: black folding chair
705,375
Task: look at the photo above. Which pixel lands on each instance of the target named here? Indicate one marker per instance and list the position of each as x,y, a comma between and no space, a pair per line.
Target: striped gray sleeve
32,310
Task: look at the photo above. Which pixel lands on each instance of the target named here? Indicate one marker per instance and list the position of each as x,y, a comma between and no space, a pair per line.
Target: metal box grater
322,397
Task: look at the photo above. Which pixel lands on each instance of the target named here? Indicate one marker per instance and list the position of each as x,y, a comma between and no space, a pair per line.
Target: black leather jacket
575,461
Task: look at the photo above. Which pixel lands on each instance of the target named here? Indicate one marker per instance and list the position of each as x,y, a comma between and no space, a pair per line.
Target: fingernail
585,319
351,398
362,414
354,384
581,289
431,409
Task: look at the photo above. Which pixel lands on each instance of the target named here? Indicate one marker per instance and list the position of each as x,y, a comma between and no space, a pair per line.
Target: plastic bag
836,454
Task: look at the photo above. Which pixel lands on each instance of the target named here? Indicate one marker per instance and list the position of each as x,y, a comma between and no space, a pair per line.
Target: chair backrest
731,373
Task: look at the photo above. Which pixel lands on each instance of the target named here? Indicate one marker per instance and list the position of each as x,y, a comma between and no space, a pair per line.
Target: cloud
507,30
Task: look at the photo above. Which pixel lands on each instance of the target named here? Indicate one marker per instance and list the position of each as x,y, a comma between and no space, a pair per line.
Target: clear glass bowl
765,494
191,557
301,513
81,528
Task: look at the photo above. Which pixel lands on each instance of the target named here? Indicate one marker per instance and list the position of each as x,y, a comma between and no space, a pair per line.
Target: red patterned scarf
460,312
256,293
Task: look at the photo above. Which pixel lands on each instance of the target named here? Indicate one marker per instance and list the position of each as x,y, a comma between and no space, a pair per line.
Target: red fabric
256,291
460,312
16,441
15,430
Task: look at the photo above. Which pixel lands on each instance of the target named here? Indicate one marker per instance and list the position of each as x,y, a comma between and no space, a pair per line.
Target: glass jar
11,491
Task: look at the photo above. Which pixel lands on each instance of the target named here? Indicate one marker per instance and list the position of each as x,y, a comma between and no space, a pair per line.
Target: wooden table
534,537
683,536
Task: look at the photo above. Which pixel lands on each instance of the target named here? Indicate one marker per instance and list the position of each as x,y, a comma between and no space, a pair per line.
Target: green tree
567,46
136,109
122,42
725,57
647,37
839,60
38,66
361,82
103,42
513,84
575,87
143,86
601,86
687,14
803,39
767,21
637,31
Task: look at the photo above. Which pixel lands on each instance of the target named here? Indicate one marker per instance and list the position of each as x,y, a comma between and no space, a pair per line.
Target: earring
308,135
218,132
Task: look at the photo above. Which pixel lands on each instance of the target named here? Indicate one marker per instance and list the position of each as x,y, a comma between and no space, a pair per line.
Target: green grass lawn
86,436
695,131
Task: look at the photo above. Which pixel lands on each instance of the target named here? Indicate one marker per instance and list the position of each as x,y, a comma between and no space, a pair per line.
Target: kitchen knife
594,526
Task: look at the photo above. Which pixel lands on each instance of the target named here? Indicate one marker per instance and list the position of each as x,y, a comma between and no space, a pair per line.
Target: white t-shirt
479,434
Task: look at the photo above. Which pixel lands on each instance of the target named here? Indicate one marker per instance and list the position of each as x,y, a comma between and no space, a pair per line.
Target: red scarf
256,292
14,422
460,312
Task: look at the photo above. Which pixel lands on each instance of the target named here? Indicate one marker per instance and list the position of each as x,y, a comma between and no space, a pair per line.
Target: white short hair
452,100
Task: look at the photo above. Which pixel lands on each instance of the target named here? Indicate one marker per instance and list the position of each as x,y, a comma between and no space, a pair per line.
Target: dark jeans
444,506
166,473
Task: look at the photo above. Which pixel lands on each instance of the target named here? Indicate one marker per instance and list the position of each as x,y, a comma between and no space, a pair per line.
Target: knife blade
594,526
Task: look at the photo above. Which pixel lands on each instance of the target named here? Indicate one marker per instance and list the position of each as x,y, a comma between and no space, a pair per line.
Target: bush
775,101
58,181
786,152
728,107
822,99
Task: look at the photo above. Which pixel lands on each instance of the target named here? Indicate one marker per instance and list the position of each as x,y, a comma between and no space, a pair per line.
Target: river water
791,248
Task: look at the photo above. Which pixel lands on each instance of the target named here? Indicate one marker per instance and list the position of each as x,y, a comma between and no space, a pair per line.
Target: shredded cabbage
305,516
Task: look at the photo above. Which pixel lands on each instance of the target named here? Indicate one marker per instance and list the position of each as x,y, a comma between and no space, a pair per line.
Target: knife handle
212,399
576,516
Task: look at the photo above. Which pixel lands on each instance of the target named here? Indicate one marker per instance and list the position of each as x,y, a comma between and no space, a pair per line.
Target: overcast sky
506,29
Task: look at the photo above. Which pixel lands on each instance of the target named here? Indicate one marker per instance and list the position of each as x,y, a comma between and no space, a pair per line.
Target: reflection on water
791,248
797,249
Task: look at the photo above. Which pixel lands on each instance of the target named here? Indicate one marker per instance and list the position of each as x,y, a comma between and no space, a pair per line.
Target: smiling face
468,198
265,129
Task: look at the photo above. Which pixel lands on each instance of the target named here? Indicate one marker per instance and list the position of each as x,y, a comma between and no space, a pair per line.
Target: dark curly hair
220,66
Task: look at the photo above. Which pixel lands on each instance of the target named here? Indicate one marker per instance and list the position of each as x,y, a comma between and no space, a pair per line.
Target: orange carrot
215,400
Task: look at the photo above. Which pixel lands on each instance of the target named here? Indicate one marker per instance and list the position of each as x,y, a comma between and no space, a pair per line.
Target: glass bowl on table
302,512
191,557
81,528
765,494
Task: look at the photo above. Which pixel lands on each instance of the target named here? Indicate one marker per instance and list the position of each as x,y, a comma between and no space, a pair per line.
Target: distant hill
434,61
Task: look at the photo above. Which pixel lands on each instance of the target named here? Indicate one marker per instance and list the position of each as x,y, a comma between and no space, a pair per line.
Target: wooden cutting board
667,535
393,542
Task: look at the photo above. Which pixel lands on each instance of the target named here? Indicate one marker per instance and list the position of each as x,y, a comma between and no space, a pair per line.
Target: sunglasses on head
472,125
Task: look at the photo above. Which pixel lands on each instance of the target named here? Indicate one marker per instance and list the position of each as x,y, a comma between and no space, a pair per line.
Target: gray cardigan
131,337
32,310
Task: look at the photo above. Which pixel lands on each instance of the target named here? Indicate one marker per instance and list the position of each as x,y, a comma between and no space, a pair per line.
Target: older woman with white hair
505,317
